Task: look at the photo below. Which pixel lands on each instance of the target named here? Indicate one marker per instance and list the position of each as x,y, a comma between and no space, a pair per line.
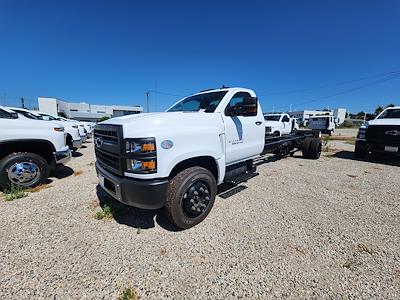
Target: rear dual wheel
312,148
190,197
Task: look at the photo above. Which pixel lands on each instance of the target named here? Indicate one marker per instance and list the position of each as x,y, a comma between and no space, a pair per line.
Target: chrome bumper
62,157
77,143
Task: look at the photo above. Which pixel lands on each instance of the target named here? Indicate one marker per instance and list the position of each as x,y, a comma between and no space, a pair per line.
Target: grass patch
362,248
350,142
14,192
77,173
38,188
352,265
106,213
128,294
91,164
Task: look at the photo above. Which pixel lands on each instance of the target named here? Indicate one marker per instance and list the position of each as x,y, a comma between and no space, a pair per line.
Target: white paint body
228,140
322,123
27,129
68,128
284,124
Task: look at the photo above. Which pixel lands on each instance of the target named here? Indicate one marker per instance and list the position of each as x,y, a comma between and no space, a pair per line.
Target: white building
304,115
83,111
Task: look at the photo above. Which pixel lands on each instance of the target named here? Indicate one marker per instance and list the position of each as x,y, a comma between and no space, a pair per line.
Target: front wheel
190,197
23,169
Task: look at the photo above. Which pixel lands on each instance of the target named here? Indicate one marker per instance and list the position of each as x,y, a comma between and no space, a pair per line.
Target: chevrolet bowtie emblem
393,132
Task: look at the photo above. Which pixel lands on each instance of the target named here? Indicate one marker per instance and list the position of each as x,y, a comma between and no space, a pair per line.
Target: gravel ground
302,229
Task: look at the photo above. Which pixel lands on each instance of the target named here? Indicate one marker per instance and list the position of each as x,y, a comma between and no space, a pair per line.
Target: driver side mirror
246,108
13,115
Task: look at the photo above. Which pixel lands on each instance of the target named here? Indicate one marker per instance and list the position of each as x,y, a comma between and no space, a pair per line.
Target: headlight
361,133
141,155
142,165
59,129
74,126
141,146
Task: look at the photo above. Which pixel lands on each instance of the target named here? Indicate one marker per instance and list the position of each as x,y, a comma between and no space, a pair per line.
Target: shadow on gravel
132,216
62,172
375,158
76,154
83,146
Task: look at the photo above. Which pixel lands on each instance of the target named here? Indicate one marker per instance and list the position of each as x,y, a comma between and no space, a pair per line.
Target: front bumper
77,143
83,138
146,194
62,157
373,147
89,135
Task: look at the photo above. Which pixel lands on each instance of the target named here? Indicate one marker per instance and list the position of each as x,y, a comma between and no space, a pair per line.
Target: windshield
49,118
205,102
272,118
28,115
390,114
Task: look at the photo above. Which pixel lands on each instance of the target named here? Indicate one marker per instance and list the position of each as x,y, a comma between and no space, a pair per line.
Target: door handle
258,123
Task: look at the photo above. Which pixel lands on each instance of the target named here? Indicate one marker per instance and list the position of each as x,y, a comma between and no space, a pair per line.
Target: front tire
23,169
190,197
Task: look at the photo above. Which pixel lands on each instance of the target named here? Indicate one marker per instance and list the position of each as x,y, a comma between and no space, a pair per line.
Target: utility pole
22,103
148,101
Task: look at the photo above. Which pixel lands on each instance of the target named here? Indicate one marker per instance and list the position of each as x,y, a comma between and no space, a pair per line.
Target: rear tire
312,148
315,149
190,197
23,169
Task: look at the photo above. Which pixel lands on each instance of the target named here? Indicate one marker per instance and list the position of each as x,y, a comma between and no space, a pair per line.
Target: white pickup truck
279,124
176,159
74,140
29,150
79,125
381,135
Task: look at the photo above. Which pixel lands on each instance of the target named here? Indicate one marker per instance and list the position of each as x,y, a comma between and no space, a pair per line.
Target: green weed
128,294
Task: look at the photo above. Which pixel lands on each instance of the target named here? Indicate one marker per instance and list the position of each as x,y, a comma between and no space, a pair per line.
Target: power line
332,84
382,80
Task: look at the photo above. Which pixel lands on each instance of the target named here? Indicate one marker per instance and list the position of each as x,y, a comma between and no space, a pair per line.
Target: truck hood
272,123
383,122
152,124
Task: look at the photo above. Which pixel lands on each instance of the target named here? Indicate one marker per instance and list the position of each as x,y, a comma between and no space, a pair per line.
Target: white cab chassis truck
176,159
29,150
279,124
381,135
325,124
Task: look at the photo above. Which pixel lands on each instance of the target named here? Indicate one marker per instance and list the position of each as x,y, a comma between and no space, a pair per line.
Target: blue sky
111,52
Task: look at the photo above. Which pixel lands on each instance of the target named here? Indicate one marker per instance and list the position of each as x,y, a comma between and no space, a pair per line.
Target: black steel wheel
190,197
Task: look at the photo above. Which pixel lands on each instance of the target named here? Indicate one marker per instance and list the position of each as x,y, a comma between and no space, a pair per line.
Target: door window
237,102
285,119
5,115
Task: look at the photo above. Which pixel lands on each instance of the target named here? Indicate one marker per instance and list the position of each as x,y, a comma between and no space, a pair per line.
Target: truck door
245,134
287,128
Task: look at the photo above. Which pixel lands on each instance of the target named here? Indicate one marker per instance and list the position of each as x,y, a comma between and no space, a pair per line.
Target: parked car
73,138
29,149
176,159
381,135
279,124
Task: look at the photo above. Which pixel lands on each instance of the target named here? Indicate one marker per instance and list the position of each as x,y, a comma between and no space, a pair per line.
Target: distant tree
360,115
103,118
378,110
390,105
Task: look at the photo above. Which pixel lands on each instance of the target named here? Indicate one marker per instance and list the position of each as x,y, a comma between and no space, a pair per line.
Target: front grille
109,148
380,134
267,129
